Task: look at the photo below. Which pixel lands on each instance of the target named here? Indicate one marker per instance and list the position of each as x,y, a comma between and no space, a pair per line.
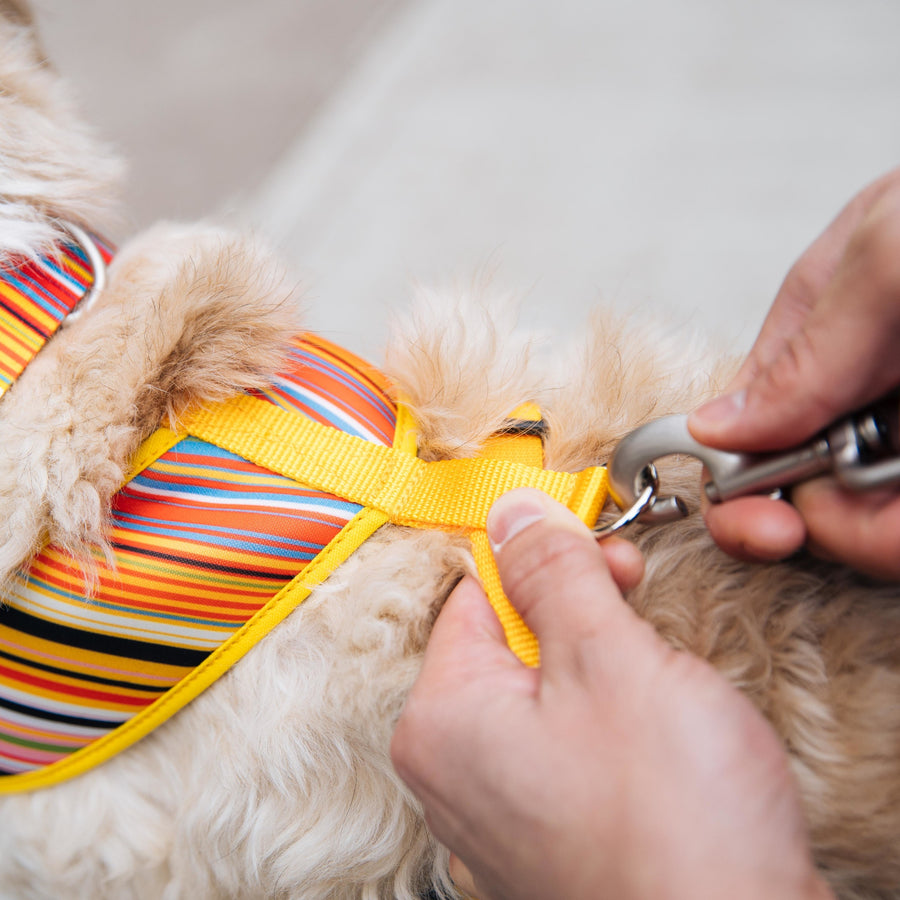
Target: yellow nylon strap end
586,502
520,448
585,499
520,638
528,450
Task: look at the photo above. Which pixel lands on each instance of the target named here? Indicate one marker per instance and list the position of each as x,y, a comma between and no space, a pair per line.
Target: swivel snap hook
862,451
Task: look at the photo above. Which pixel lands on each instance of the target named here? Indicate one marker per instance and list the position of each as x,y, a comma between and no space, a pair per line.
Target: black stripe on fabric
37,329
101,643
81,676
59,717
212,567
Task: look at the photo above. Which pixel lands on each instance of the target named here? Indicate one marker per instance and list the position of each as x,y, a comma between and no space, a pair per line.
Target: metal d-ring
97,264
643,501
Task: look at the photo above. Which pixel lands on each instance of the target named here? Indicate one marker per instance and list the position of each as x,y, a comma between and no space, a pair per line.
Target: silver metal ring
97,263
644,500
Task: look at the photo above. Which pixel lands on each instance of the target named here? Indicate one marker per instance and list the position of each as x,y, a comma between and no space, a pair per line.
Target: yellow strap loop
448,494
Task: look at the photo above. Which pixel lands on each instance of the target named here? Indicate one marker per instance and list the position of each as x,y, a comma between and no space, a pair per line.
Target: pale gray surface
664,155
203,96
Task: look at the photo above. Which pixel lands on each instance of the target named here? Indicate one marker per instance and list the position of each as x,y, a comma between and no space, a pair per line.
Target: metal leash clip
862,451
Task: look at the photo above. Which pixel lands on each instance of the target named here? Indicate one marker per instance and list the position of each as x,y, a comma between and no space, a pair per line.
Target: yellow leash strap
448,494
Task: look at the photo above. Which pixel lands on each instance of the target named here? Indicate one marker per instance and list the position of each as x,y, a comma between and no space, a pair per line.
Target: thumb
556,575
841,357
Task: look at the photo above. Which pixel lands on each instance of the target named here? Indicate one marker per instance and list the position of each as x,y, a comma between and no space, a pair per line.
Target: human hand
619,768
830,345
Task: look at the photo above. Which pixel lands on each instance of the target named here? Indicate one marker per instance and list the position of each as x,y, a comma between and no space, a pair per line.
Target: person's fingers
557,577
466,632
807,281
841,357
625,562
467,645
462,878
756,529
859,529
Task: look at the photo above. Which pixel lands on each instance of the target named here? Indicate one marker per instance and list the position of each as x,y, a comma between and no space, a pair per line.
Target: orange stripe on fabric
349,539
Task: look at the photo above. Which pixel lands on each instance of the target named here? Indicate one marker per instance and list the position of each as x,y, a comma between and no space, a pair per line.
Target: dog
275,780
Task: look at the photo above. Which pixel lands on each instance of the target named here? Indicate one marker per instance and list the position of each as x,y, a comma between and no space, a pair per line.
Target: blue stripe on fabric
345,424
30,288
207,471
239,620
290,515
345,378
310,360
68,277
304,550
231,491
191,446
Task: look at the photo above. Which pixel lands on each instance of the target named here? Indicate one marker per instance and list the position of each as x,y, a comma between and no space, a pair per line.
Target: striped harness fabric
219,533
35,297
203,540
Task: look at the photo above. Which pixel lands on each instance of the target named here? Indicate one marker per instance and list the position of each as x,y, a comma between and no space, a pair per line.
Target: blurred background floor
671,157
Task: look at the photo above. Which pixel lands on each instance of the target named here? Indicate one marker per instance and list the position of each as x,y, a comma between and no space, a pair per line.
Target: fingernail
511,514
720,412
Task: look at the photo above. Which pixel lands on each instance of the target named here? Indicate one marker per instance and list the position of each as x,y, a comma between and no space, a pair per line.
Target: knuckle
792,371
876,245
413,725
802,284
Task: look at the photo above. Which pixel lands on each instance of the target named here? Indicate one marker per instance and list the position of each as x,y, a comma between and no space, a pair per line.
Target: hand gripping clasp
862,451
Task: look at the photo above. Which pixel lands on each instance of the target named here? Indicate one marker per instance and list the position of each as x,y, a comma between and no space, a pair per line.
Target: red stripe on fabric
62,297
60,687
324,382
276,524
19,360
31,756
373,377
222,611
209,488
58,575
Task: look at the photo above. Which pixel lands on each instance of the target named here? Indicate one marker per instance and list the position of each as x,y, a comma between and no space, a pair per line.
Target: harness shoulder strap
447,494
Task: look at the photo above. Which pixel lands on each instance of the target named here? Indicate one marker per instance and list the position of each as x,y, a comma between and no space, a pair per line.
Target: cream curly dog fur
276,782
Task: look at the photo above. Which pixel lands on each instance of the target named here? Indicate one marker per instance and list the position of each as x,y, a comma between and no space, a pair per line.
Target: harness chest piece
221,531
207,547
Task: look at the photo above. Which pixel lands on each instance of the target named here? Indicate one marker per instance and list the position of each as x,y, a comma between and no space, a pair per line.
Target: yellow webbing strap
527,449
449,494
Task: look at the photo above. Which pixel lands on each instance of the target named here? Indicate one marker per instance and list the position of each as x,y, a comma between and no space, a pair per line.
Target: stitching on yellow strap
453,493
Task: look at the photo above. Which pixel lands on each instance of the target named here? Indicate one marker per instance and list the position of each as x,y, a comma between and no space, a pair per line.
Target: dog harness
221,530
